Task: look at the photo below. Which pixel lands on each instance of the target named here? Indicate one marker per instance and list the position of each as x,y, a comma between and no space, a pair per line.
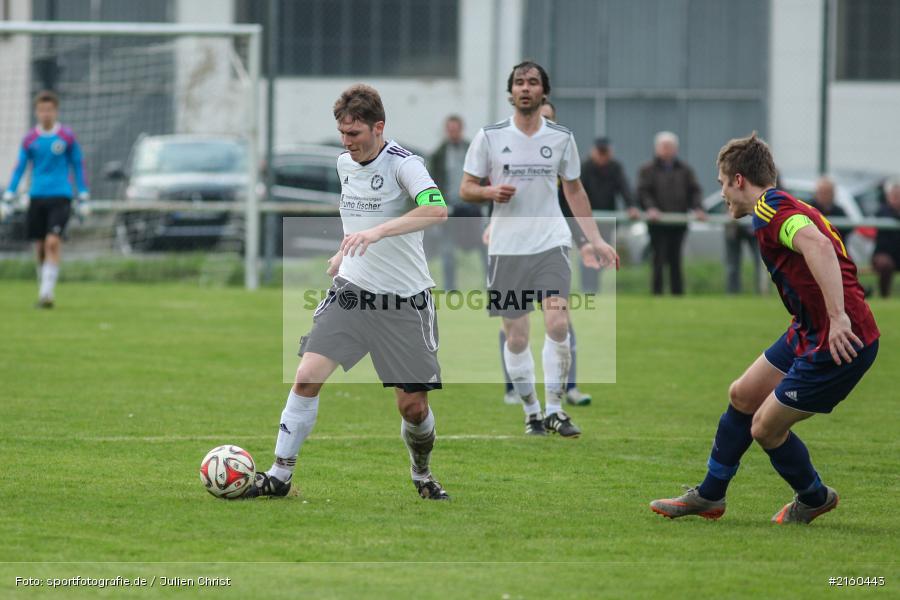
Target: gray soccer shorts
515,282
401,334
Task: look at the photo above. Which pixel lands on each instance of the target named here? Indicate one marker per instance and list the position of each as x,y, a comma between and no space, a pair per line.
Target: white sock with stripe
419,440
557,358
297,421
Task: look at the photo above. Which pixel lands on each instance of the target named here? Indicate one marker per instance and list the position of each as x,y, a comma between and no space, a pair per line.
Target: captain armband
790,227
430,197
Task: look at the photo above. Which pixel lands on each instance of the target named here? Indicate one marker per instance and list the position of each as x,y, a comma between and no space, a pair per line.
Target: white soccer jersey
531,222
371,194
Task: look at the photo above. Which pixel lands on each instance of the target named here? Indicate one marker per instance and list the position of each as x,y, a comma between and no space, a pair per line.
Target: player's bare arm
581,209
334,263
471,190
818,252
417,219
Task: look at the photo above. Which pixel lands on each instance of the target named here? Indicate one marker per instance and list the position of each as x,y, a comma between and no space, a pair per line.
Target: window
393,38
868,44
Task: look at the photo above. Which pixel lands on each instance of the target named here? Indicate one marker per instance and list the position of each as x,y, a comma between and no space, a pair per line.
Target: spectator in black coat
668,185
886,257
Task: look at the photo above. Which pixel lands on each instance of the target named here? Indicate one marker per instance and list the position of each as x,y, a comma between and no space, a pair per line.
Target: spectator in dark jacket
605,183
446,167
886,257
668,185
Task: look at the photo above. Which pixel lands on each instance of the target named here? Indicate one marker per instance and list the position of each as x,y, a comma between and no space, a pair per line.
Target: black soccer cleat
534,425
561,423
431,489
266,486
44,303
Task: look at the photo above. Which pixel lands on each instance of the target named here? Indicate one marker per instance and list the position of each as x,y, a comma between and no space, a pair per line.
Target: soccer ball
227,471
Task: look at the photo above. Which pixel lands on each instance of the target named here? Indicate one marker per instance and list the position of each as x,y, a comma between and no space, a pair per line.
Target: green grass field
109,401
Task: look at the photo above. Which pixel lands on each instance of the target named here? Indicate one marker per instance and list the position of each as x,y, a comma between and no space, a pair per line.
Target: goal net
167,120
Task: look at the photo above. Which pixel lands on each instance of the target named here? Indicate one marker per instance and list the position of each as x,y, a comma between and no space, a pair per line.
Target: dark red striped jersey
808,333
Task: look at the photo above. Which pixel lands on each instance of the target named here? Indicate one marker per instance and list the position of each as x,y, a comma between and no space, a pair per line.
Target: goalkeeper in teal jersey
54,154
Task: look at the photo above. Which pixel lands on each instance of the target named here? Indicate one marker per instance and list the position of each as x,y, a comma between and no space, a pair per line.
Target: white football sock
520,368
419,440
531,405
557,357
49,273
297,421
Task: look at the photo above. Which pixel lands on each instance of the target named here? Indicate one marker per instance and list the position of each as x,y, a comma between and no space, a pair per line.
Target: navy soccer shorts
816,387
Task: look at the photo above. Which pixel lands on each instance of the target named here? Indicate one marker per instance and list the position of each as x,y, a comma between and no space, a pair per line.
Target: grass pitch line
218,438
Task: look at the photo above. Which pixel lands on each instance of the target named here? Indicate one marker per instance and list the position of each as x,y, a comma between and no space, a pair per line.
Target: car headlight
137,192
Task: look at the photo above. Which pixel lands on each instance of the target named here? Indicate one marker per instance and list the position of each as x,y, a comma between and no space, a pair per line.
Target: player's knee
414,411
517,342
305,384
558,327
762,433
737,397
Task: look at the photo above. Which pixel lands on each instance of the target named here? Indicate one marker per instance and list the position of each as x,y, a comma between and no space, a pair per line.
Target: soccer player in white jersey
522,157
380,302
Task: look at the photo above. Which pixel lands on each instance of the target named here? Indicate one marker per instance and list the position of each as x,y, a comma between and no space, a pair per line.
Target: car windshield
301,173
159,157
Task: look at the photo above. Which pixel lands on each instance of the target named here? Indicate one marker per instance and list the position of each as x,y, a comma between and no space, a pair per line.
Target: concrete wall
864,118
416,107
865,126
210,98
795,67
15,105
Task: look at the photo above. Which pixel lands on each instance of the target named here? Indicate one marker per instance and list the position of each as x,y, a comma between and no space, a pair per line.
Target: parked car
306,174
12,231
858,193
193,168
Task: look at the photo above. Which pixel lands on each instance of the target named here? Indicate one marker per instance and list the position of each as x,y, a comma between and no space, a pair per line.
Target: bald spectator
824,201
886,257
667,184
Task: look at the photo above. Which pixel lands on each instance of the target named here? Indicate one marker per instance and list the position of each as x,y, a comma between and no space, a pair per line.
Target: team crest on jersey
377,181
58,147
546,151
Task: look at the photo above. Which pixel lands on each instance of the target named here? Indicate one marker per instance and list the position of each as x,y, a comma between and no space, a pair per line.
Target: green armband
430,197
790,227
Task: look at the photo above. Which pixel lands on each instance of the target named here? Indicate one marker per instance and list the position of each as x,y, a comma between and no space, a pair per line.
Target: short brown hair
749,156
46,96
360,102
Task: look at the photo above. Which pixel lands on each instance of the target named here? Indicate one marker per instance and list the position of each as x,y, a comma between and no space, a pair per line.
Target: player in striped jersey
828,347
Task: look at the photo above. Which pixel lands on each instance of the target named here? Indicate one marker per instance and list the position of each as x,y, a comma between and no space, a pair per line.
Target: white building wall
794,76
416,107
209,98
15,78
864,118
865,126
